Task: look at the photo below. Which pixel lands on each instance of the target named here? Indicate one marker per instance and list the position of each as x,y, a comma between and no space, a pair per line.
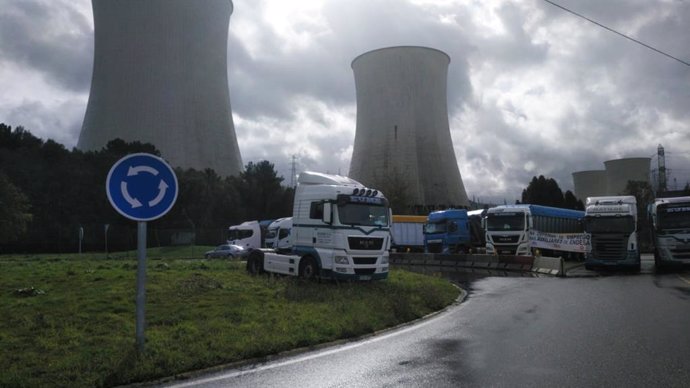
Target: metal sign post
141,187
81,237
141,283
105,232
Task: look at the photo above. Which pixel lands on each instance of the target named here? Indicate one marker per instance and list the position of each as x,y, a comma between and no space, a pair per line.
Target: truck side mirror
327,216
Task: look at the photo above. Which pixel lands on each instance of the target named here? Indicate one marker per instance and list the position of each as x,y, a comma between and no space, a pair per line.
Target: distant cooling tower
160,76
620,171
402,135
590,183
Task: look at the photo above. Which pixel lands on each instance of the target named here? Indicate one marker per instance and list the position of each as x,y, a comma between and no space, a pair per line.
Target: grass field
69,320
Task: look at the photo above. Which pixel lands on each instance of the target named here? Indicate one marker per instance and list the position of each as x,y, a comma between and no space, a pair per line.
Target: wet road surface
589,330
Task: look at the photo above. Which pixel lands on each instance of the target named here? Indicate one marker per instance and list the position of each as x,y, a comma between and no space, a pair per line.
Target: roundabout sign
142,187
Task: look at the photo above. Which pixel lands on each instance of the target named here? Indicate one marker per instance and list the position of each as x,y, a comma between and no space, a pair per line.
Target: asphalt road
628,330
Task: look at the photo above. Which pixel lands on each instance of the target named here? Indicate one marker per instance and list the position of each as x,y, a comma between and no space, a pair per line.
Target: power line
616,32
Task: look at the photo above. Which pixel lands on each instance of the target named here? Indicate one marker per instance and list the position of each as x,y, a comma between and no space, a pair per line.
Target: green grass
67,320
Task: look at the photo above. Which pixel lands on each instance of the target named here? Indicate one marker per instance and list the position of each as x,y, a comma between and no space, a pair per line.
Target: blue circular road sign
141,187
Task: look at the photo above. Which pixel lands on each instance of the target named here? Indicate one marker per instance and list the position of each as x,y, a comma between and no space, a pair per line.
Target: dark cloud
54,39
532,90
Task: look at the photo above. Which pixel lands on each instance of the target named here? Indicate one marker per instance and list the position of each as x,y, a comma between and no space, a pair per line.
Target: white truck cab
247,235
671,231
611,222
340,230
278,236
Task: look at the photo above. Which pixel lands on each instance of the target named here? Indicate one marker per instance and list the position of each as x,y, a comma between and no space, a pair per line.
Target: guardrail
543,265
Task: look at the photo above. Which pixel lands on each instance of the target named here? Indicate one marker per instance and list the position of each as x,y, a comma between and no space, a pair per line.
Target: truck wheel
255,263
308,268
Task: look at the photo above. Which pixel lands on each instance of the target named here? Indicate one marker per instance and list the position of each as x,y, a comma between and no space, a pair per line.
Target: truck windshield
239,234
609,224
505,222
271,234
674,218
363,214
435,227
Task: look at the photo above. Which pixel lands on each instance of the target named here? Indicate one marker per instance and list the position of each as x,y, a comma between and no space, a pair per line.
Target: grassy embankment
67,320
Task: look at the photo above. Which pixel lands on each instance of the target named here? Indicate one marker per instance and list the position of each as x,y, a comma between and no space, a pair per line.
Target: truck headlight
341,260
384,260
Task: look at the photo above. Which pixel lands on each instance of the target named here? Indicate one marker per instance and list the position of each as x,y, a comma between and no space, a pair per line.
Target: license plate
365,277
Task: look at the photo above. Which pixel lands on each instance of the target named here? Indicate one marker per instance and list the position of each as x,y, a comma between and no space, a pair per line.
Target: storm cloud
532,89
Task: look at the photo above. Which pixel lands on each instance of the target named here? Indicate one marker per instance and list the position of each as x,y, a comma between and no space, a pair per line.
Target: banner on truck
569,242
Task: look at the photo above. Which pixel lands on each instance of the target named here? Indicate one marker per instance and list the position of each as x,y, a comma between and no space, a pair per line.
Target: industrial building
160,77
402,138
620,171
590,183
612,180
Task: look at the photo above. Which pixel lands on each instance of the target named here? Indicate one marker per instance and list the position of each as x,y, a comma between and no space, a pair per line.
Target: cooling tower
402,138
620,171
590,183
160,76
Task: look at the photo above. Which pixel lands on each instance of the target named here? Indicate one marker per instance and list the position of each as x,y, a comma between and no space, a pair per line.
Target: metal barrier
543,265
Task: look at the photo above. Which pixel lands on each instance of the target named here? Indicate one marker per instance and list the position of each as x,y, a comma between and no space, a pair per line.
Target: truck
611,224
246,235
529,230
278,235
249,234
454,231
670,222
407,233
340,230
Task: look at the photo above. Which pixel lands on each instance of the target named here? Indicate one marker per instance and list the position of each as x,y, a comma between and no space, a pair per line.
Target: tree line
545,191
49,195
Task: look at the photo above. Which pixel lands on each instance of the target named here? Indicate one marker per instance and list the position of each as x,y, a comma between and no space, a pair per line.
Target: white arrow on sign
138,169
162,188
132,201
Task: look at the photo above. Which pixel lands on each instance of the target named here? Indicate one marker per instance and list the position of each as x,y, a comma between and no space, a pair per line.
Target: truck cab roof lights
364,192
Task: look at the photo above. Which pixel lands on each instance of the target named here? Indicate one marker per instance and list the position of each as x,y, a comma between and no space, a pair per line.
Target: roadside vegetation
69,320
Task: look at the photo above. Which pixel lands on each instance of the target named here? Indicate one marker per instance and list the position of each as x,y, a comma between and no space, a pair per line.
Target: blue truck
454,231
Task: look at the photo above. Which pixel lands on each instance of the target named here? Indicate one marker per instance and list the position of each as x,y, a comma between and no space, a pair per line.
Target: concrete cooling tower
590,183
402,136
160,76
620,171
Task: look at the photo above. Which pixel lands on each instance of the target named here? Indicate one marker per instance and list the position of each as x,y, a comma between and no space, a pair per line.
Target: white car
226,251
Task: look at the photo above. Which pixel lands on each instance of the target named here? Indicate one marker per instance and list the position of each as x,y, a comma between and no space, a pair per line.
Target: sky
532,89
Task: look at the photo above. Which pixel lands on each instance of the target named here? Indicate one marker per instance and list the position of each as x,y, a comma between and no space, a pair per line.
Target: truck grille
365,243
681,252
502,239
364,260
609,246
510,250
365,271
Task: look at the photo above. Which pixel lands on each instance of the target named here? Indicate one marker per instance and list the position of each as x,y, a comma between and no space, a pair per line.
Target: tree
261,191
571,202
543,191
14,211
